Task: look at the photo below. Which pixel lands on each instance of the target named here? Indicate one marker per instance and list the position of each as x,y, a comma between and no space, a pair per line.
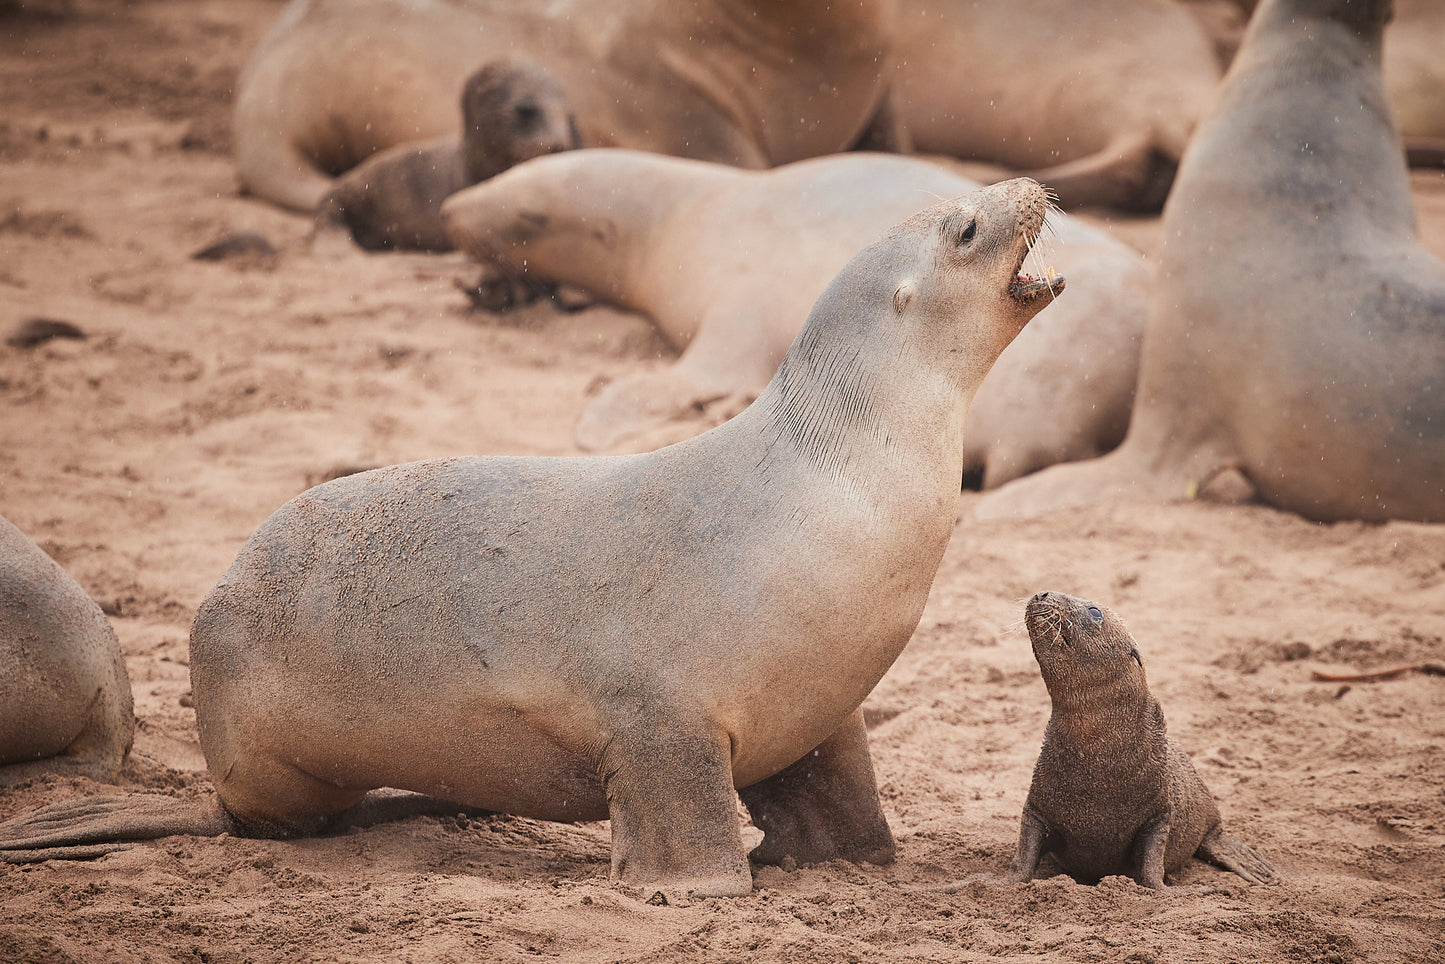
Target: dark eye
527,114
1096,613
968,232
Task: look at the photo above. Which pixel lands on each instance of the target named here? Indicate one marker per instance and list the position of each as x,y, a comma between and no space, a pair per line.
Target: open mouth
1026,287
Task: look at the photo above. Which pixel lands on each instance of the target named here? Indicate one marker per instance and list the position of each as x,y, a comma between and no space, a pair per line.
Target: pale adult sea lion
1297,332
65,703
1111,792
728,262
510,112
735,81
628,637
1095,98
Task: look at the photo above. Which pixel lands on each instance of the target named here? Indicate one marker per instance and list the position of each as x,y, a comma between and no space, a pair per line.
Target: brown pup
511,111
733,81
1111,793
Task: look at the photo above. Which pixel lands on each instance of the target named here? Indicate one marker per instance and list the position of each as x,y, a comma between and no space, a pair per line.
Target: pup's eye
968,232
1096,613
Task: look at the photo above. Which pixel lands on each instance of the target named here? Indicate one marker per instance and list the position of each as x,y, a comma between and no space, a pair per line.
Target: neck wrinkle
830,407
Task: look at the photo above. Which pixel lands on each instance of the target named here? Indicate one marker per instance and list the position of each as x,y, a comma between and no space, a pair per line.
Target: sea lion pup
1297,332
629,637
511,111
728,262
1112,793
734,81
65,703
1095,98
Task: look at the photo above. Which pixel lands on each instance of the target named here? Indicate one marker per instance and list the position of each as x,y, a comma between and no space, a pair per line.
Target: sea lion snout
1058,623
1030,203
1062,605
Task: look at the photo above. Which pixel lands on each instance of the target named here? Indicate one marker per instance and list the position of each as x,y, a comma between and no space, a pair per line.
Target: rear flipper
1224,851
1131,174
268,165
82,829
824,806
89,852
94,826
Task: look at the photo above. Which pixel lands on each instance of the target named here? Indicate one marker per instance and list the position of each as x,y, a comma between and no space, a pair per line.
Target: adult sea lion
510,112
1414,69
65,703
629,637
727,263
1095,98
1297,332
1112,793
736,81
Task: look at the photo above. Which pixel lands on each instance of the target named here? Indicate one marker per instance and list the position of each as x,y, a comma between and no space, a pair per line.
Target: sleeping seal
727,263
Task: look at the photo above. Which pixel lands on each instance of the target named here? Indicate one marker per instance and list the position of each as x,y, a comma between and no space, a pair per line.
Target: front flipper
1222,850
674,813
824,806
1150,845
1033,837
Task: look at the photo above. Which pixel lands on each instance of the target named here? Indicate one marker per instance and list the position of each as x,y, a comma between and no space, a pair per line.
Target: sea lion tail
87,828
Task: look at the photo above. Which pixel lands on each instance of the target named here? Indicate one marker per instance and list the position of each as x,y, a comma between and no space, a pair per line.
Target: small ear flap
1135,653
605,230
902,296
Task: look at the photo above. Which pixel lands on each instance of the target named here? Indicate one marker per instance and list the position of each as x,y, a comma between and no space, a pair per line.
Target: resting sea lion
1096,98
727,263
628,637
735,81
1297,332
65,704
510,112
1111,793
1414,68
